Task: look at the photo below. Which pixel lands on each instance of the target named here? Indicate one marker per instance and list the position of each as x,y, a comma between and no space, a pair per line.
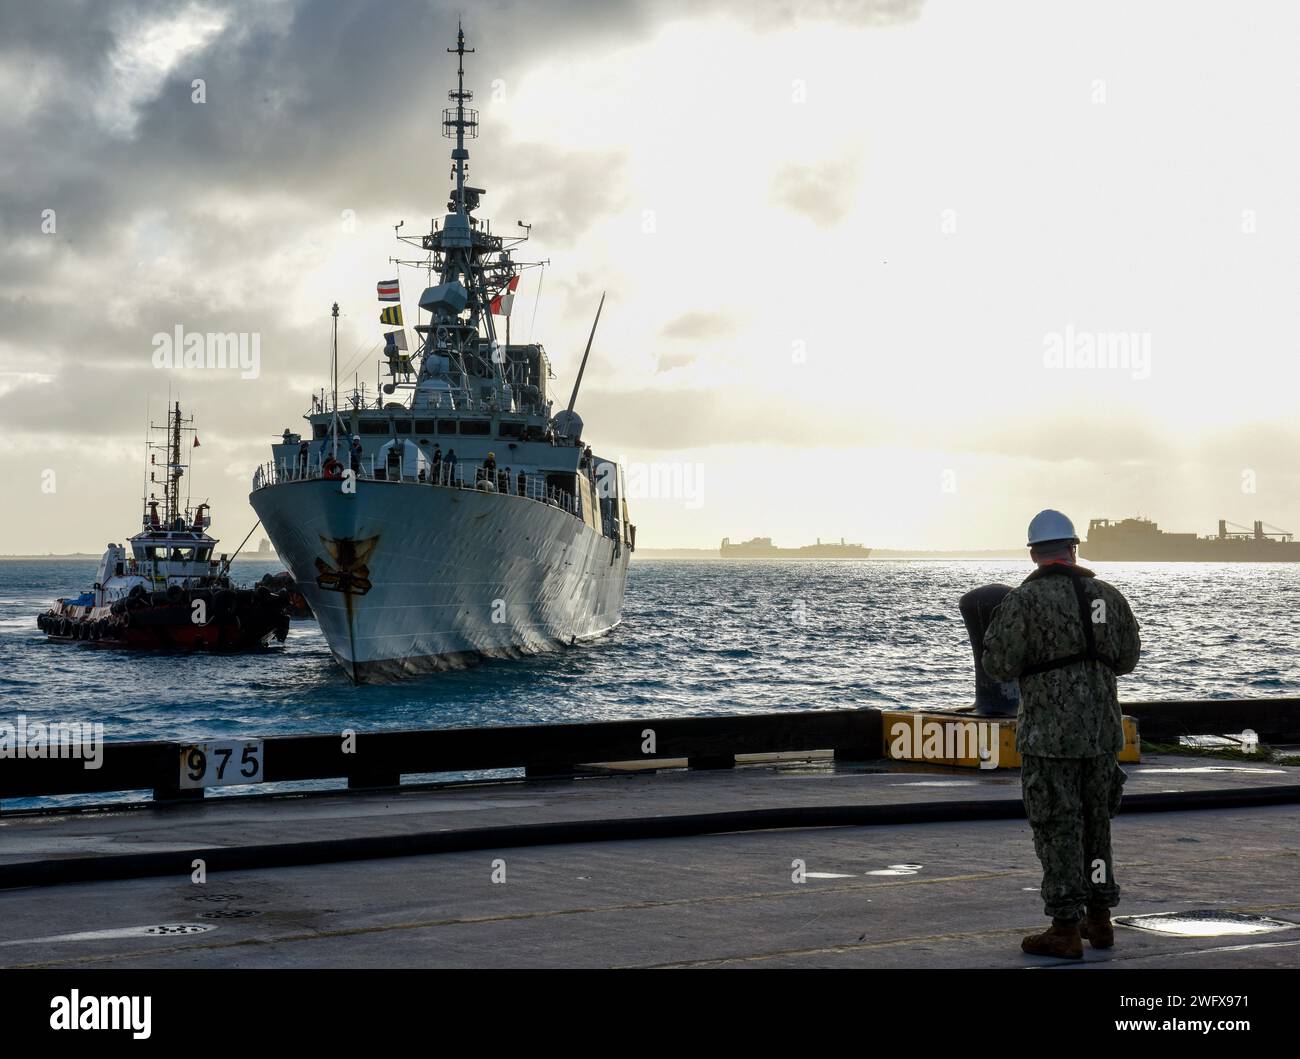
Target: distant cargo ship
763,548
1141,540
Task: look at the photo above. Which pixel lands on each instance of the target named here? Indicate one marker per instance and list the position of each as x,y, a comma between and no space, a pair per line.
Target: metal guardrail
1274,720
461,475
380,759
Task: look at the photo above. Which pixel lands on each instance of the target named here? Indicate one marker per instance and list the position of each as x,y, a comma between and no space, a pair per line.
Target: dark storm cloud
315,96
312,107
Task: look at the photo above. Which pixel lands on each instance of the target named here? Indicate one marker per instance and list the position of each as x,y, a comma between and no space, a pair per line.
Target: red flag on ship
389,291
196,442
502,302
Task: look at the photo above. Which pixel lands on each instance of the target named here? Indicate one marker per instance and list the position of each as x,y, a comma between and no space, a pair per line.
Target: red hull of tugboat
250,624
179,638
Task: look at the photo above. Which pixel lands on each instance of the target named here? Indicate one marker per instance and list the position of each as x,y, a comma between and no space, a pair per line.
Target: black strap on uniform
1090,652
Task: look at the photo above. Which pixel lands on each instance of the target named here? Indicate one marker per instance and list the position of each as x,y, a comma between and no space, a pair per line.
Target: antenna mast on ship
461,155
459,347
334,364
175,469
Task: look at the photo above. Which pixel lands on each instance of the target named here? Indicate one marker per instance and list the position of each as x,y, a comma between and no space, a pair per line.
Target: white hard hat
1051,525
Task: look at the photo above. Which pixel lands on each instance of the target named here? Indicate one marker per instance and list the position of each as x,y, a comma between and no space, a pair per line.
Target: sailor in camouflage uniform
1065,636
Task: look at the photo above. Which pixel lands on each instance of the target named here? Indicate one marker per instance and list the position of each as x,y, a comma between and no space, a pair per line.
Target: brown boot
1060,940
1097,928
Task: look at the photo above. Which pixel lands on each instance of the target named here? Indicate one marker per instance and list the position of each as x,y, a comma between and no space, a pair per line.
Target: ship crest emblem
349,574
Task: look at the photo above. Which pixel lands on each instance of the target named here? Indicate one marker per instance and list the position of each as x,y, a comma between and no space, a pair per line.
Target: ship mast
460,155
459,355
334,363
174,471
174,468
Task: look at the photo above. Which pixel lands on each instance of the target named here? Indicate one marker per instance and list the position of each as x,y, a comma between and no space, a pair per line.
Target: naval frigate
450,516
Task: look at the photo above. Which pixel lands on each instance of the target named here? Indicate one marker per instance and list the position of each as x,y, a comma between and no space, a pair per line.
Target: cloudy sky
893,270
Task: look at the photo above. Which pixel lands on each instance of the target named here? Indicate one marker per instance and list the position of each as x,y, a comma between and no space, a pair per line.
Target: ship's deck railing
461,475
456,400
438,401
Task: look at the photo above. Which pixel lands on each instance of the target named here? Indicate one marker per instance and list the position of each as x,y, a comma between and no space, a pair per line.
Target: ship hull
1199,551
168,628
409,578
181,637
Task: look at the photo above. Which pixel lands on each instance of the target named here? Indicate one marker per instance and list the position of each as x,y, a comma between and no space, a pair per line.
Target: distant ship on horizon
763,548
1141,540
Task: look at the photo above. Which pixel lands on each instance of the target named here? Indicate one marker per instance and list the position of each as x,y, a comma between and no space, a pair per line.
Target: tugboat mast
174,470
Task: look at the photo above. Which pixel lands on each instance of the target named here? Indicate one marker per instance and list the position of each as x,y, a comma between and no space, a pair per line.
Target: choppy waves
697,638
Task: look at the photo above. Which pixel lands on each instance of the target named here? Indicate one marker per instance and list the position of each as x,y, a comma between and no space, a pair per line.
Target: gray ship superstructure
452,515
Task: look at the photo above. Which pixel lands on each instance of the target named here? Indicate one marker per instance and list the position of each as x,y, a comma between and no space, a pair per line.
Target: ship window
182,555
476,426
446,426
319,430
402,426
203,554
375,426
512,430
424,426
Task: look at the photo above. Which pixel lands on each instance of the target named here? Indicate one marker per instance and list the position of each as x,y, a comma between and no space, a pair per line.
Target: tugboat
164,590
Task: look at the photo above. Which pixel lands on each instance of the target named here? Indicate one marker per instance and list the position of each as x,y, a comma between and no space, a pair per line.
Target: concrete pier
947,893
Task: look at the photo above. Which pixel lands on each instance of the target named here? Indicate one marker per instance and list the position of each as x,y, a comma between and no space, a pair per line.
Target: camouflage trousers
1069,802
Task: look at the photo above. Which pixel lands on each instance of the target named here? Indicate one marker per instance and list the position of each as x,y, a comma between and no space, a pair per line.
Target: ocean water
697,638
